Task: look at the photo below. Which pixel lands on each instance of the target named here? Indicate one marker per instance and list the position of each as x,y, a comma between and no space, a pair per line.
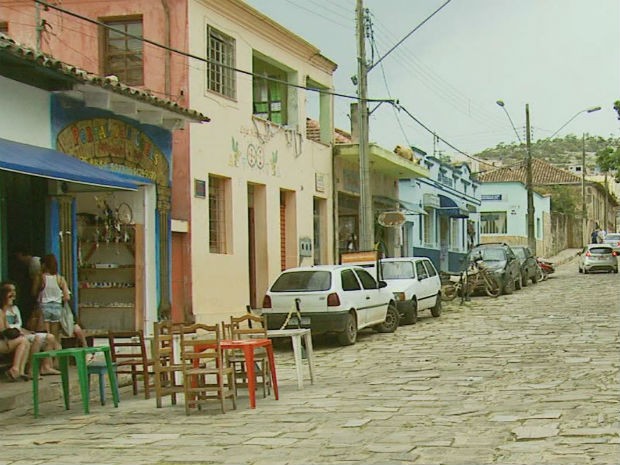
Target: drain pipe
166,7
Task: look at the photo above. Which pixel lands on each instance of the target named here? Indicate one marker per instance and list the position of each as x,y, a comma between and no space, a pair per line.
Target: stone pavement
530,378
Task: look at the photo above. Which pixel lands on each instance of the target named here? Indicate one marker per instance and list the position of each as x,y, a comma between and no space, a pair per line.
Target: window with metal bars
217,214
4,27
123,55
493,223
221,56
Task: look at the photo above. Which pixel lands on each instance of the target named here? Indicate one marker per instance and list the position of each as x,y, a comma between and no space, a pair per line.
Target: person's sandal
11,378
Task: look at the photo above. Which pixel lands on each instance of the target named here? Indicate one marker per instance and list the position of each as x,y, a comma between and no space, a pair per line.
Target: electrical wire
202,59
315,13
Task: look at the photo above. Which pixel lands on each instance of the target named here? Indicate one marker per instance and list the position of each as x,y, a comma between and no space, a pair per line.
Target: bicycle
476,277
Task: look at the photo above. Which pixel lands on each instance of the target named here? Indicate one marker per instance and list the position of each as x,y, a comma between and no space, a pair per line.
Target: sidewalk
564,256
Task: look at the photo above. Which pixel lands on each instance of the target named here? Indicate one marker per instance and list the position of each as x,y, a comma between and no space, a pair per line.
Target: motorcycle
545,266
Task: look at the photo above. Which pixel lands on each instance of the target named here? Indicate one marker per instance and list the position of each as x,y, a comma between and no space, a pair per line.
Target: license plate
305,321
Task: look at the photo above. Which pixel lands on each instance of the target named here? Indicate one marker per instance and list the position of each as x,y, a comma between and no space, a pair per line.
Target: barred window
4,27
221,56
217,214
123,55
493,223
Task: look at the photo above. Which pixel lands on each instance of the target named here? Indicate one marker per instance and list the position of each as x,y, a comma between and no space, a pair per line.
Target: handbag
11,333
66,319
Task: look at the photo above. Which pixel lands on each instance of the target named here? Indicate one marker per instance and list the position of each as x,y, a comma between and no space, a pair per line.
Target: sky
559,56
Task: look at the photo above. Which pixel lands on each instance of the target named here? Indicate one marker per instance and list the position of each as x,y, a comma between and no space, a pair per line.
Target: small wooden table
79,354
296,335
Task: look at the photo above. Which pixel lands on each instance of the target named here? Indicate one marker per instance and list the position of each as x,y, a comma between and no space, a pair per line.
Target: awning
448,207
408,208
51,164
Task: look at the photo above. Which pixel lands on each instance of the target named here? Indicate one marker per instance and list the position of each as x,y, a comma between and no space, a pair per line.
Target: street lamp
531,235
587,110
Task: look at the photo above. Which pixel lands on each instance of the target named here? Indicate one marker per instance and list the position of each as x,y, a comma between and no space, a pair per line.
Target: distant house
443,213
553,233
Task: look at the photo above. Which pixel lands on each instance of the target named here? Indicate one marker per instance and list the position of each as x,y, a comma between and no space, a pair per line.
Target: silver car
598,257
613,239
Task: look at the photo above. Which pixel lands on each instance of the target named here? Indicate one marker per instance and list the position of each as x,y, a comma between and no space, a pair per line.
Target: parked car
598,257
613,239
416,286
500,259
340,299
529,266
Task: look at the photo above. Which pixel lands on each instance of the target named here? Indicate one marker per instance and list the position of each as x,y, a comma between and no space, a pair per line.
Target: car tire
585,271
349,335
537,275
519,282
616,270
580,270
412,317
436,310
509,286
391,320
524,281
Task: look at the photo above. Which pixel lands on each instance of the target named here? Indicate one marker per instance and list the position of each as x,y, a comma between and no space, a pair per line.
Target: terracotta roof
313,133
543,174
43,60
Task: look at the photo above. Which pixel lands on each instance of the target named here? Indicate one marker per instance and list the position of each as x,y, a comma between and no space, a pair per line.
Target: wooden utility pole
366,239
531,234
584,208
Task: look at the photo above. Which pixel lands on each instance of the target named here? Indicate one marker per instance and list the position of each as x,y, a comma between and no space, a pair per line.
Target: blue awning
448,207
51,164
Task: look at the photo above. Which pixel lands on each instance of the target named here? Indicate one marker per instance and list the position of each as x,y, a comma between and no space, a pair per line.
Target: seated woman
39,342
19,346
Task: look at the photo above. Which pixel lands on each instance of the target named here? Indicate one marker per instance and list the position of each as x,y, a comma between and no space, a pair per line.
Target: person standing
53,292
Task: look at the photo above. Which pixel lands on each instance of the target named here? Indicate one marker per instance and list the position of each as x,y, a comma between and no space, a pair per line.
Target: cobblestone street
530,378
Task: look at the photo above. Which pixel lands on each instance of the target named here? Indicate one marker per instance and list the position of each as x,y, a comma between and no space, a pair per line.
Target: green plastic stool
100,369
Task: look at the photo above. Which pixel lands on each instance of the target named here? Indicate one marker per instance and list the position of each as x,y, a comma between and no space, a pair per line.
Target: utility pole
605,205
366,236
531,237
584,211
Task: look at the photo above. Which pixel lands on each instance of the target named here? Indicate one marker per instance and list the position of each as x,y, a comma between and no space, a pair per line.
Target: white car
416,286
340,299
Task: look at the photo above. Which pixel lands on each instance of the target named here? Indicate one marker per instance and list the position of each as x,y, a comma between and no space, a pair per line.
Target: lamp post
531,233
584,208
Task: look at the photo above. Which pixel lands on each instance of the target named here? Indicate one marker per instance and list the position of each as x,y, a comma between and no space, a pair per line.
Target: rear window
612,237
600,250
491,254
299,281
397,270
520,253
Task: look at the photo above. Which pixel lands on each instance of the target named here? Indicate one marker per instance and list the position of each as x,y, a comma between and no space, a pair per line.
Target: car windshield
397,270
489,254
600,250
298,281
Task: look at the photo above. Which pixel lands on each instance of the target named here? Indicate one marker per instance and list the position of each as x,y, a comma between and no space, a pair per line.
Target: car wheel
349,335
615,270
436,310
411,317
519,282
509,286
524,280
537,275
580,270
391,320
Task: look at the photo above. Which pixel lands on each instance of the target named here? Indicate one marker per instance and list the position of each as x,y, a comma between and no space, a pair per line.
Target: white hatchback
416,286
340,299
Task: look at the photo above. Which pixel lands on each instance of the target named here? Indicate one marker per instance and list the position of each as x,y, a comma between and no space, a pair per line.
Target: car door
424,285
354,295
513,268
433,281
376,304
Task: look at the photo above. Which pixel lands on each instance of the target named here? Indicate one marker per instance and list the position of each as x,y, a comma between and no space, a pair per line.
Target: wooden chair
166,366
128,351
204,368
246,326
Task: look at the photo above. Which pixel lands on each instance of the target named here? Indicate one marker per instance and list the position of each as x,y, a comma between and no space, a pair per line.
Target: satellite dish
391,219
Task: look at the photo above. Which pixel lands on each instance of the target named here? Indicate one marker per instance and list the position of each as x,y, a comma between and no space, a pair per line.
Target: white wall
25,114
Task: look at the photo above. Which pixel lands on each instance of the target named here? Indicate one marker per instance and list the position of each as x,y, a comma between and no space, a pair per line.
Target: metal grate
221,55
217,215
123,55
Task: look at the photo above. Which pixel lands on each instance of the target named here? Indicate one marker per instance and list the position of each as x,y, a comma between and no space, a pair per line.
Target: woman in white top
18,346
38,341
53,293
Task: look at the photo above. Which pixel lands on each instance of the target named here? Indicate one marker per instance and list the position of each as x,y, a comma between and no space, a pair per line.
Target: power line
205,60
400,107
314,12
408,35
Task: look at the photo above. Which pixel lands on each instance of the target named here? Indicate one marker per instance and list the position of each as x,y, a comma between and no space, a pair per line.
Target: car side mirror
382,284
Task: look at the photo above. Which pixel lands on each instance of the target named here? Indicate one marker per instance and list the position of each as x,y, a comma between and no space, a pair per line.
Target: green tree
608,160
